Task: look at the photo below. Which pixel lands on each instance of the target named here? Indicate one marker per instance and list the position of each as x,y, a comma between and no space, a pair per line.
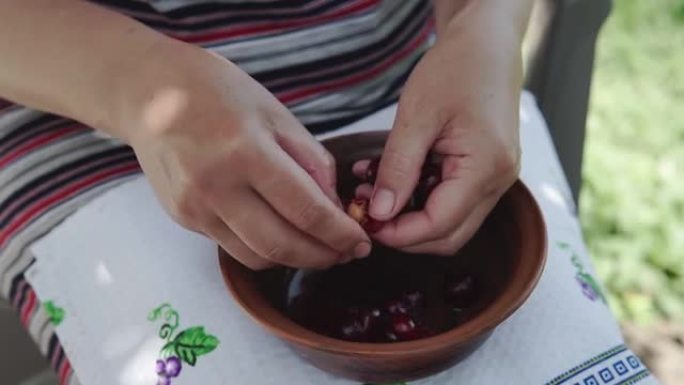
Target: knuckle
398,164
329,161
322,261
442,229
257,264
201,184
312,217
345,241
507,162
349,240
238,150
446,247
322,264
185,213
280,256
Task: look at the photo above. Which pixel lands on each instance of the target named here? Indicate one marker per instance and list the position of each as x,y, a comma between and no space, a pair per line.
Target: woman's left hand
461,102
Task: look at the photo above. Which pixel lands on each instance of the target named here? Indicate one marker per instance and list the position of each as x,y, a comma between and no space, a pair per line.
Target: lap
565,325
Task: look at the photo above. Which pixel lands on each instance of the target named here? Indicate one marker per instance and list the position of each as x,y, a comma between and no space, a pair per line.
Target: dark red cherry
358,210
402,324
390,336
372,170
356,329
413,298
406,328
430,177
372,225
396,306
461,291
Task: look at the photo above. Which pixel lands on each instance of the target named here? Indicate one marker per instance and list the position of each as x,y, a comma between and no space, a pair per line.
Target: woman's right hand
227,159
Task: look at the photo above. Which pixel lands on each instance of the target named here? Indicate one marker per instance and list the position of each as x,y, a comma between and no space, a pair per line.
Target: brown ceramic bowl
510,247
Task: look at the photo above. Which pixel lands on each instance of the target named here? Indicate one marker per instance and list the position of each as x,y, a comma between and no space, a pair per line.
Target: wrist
152,89
498,20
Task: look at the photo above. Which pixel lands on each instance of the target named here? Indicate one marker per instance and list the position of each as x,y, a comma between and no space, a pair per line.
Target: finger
294,195
271,237
449,204
363,191
315,159
402,159
460,236
359,168
237,249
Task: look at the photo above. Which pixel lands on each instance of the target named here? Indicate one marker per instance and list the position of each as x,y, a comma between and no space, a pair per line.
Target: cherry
405,328
416,334
355,329
397,306
414,299
372,170
402,324
375,313
391,337
460,291
372,225
358,210
430,177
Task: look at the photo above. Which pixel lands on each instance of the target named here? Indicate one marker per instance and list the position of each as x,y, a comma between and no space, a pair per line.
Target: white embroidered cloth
118,258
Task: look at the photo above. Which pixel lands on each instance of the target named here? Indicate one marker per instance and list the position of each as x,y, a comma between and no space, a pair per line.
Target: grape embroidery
180,348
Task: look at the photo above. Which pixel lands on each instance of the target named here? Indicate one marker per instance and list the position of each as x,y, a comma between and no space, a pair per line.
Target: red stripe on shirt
28,308
60,196
298,95
188,21
28,132
40,189
64,371
38,141
270,27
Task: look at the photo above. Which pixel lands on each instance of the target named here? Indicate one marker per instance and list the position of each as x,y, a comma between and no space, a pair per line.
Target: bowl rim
484,322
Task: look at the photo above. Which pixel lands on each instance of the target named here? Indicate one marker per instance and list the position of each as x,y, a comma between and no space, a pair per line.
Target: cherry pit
357,207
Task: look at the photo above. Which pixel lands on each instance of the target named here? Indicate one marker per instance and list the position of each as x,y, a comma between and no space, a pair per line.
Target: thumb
400,166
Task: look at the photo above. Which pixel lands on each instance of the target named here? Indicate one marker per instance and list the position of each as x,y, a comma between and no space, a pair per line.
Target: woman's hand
223,155
460,102
228,160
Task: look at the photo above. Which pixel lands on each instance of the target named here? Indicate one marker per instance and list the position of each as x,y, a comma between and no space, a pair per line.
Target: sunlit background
632,200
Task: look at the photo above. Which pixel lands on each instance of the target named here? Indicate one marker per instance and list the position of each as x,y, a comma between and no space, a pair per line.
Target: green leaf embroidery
186,345
581,273
54,312
172,319
576,262
190,344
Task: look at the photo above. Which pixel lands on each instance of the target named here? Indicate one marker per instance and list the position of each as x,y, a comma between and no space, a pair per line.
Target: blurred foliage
632,203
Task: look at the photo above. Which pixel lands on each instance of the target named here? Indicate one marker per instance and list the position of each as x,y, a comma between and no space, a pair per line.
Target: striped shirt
329,61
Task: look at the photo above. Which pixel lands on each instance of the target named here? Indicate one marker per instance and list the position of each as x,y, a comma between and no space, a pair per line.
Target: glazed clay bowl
509,252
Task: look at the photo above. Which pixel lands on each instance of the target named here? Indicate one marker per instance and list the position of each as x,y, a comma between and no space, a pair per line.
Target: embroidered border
635,378
617,366
587,364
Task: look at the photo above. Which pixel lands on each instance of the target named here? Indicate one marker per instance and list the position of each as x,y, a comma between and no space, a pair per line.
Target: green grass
632,203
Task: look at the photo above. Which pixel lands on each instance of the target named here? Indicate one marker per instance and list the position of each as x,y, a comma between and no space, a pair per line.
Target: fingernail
362,250
382,203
